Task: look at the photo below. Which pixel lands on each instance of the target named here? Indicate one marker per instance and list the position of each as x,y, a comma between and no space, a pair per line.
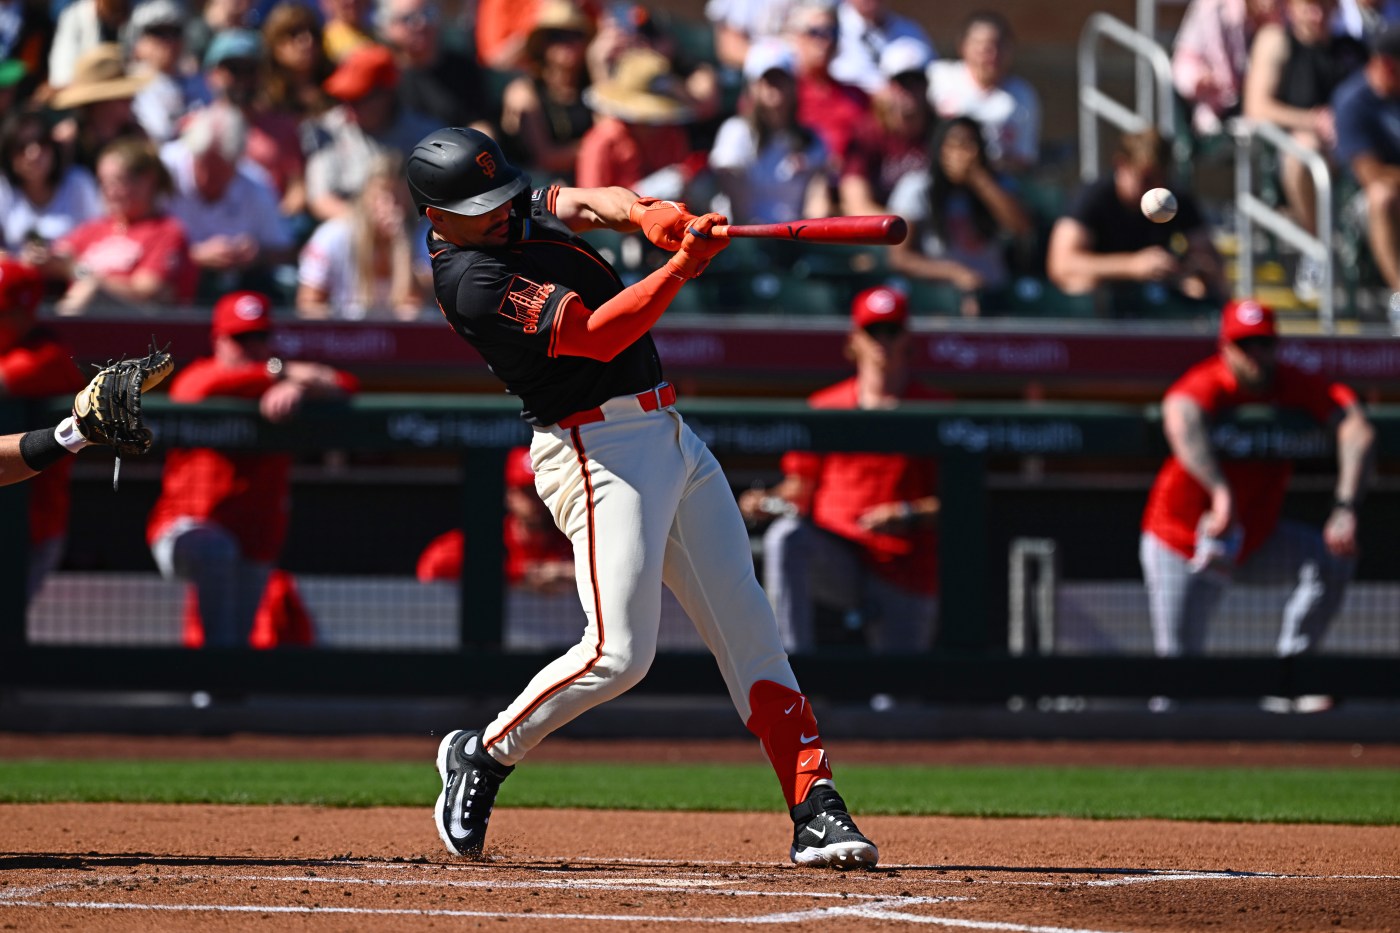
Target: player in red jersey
1210,521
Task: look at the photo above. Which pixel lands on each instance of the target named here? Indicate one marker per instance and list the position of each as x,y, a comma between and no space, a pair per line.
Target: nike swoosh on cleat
819,835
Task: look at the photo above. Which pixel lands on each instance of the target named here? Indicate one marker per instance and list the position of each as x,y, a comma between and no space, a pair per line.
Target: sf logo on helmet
488,164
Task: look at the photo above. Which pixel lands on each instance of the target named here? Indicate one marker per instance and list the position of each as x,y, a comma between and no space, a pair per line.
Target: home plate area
119,892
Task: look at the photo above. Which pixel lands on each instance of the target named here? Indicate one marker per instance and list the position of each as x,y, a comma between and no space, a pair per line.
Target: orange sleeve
617,323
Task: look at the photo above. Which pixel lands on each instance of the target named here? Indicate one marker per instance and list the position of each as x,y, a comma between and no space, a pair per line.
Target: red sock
783,721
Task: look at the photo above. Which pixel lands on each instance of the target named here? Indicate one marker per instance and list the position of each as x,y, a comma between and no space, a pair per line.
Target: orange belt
650,400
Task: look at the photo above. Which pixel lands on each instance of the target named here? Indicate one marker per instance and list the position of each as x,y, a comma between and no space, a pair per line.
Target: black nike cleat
825,834
470,779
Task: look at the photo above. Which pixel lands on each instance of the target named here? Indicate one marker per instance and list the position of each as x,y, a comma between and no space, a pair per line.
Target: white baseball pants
644,502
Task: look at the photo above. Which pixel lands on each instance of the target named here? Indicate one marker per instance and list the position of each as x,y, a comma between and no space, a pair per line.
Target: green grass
1294,795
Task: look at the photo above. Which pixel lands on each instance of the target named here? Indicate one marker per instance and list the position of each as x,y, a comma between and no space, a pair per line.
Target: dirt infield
169,868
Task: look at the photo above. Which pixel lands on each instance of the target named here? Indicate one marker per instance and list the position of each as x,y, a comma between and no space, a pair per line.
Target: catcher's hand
108,410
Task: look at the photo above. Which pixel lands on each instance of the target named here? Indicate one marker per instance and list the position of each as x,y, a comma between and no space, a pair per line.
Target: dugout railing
979,446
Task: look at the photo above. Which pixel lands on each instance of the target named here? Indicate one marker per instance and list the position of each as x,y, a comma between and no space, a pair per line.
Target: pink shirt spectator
1210,55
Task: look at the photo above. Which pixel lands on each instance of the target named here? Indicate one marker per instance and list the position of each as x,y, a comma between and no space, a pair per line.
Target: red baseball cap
21,286
366,68
519,472
1246,317
242,313
879,304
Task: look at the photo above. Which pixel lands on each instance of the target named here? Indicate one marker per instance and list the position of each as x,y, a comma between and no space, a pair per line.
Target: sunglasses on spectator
417,18
242,67
171,31
553,36
820,32
1253,345
884,330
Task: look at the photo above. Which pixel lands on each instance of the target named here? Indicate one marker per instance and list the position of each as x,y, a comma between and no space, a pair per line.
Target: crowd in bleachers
157,153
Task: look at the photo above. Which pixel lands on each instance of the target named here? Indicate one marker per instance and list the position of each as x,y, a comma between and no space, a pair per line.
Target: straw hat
99,75
642,89
556,16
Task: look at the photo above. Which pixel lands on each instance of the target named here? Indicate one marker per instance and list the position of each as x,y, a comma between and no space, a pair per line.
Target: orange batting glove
662,222
698,247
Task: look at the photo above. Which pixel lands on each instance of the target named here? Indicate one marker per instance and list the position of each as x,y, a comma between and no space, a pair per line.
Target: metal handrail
1094,103
1251,210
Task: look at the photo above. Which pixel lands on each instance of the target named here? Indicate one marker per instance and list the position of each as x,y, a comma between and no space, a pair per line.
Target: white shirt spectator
1009,113
859,45
328,263
757,19
764,187
249,205
75,200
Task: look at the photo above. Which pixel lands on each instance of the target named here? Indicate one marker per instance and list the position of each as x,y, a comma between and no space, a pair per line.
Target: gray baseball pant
1182,601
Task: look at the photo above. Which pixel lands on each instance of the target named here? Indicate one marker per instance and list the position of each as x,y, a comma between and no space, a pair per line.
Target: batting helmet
462,171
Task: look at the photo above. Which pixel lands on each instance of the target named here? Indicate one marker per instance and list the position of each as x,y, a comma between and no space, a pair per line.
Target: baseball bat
880,228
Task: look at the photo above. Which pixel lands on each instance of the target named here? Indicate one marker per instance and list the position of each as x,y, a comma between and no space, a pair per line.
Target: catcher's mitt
108,410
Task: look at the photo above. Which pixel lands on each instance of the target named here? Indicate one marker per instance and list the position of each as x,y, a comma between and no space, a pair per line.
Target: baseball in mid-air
1159,205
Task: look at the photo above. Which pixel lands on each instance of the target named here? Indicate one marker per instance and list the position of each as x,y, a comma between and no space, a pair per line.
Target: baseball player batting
641,498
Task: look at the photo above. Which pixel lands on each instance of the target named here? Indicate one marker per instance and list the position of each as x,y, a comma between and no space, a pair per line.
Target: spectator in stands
834,110
857,531
24,47
1105,241
867,28
895,141
739,23
638,140
373,262
629,25
346,27
227,205
769,167
1367,109
297,62
543,116
235,69
41,196
1294,67
1210,55
136,254
221,517
1209,523
538,555
35,364
1365,19
504,26
369,120
99,98
12,74
962,218
157,49
439,82
979,84
83,26
216,16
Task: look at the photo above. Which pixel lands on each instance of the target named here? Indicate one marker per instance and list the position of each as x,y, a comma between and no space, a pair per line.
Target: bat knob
897,230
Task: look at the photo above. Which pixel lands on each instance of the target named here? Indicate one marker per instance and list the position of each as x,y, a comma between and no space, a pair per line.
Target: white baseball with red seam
1159,205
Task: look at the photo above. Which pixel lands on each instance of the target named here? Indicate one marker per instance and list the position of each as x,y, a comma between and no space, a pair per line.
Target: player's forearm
1185,427
1355,443
592,208
619,322
13,469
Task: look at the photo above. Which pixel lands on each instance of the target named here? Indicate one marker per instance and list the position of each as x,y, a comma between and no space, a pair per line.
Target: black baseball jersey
505,302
